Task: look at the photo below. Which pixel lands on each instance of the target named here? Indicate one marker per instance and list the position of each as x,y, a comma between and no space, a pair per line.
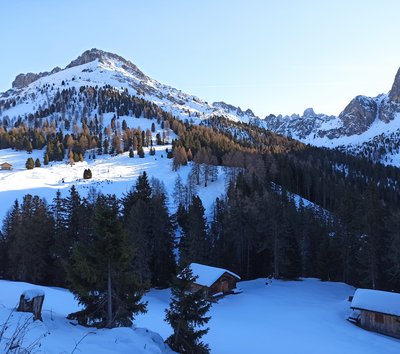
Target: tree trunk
109,298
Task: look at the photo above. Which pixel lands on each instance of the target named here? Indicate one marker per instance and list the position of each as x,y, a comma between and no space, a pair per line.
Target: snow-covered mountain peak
96,67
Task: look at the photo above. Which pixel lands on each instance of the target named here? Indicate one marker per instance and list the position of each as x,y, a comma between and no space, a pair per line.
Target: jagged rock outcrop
297,126
233,109
394,94
23,80
106,57
358,115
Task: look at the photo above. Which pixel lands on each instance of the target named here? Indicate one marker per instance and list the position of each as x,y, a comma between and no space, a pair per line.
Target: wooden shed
377,311
5,166
213,281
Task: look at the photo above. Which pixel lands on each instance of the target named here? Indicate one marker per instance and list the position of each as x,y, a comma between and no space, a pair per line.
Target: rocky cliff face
358,115
234,110
23,80
105,58
357,118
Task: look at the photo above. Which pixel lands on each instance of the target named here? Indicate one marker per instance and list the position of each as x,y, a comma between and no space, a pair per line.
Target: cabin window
379,318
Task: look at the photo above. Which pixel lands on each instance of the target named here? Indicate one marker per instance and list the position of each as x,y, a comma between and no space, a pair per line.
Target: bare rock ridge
358,115
105,57
23,80
236,110
356,118
394,94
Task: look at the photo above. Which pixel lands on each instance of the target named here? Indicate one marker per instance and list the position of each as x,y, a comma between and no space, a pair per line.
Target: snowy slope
58,335
263,318
113,175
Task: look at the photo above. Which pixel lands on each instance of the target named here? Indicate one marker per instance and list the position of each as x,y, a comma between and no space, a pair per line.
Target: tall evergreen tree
194,245
100,272
31,238
162,265
187,312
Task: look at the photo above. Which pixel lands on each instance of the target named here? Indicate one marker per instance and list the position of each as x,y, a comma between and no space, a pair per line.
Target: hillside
368,127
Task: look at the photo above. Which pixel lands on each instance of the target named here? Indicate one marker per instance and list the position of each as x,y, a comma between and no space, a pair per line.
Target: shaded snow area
375,300
207,275
284,317
58,335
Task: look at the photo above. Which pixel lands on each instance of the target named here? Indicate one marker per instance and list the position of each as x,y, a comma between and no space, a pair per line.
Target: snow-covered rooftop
32,293
207,275
377,301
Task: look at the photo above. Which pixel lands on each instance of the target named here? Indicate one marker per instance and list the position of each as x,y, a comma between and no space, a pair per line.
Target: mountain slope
368,127
96,67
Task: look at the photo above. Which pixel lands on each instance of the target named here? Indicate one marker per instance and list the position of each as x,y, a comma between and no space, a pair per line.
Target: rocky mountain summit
98,67
366,126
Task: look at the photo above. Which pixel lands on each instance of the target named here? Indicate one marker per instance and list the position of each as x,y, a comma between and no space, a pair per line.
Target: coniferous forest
109,251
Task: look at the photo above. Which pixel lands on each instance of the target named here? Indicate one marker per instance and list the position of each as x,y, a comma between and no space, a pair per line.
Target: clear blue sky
268,55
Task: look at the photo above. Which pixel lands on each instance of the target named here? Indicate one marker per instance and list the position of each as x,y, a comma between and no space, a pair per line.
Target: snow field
58,335
285,317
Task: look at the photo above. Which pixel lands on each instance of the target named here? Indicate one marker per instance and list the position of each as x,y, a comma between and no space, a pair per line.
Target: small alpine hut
377,311
5,166
213,281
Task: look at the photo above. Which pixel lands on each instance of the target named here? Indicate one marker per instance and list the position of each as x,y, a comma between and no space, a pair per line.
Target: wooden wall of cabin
223,285
381,323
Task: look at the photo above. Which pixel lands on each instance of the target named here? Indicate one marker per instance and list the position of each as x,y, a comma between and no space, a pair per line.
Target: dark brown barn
213,281
5,166
377,311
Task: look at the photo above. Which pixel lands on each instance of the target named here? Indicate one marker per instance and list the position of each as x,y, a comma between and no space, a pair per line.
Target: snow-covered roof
32,293
377,301
207,275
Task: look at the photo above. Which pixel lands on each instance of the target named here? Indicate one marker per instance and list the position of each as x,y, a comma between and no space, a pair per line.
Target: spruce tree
194,245
162,263
100,273
29,164
187,312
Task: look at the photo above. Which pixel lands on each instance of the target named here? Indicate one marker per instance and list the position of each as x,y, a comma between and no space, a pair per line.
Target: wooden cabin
213,281
5,166
377,311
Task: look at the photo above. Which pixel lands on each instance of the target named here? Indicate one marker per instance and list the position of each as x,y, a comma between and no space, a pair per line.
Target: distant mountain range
368,126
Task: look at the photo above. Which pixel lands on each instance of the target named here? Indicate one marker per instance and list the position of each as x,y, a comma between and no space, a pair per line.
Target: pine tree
194,245
62,246
187,312
31,239
29,164
162,265
100,273
138,223
37,163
